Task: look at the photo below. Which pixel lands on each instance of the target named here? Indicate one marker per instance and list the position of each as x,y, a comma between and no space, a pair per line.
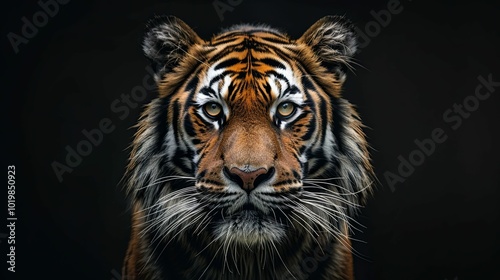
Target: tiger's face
249,140
250,129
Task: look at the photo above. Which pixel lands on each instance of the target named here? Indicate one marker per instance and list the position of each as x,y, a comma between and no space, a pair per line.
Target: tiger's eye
213,109
286,109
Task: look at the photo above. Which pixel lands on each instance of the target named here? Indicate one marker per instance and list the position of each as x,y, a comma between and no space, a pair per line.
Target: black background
440,223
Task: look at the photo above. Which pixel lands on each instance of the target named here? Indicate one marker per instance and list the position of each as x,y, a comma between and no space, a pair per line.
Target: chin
250,228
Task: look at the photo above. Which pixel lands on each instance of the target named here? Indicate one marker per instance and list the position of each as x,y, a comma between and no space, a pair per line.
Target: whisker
333,194
347,192
204,271
317,202
166,179
283,262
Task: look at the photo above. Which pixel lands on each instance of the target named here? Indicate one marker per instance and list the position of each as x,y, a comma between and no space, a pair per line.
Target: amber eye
286,109
212,109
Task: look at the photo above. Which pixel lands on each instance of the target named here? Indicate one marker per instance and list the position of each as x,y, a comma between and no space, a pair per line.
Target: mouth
247,212
249,224
249,207
250,215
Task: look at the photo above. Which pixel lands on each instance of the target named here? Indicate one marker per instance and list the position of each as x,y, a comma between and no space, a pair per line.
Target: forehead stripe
219,77
272,62
291,90
227,63
208,92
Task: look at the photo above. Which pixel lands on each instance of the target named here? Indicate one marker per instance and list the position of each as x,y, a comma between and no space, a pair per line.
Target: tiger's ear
167,41
333,42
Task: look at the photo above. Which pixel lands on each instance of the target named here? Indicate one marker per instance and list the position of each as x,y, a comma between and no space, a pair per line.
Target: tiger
248,163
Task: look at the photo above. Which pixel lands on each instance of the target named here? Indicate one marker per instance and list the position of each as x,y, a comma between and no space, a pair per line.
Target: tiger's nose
249,180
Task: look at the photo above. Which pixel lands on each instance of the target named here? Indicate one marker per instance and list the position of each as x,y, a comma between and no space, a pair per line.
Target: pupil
286,109
213,109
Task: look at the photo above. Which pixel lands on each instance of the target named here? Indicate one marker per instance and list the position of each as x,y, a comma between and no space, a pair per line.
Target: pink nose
247,180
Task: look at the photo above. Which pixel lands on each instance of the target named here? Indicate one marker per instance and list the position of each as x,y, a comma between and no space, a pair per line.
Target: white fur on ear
333,40
166,41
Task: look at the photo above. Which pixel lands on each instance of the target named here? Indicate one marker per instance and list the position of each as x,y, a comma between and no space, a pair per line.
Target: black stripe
278,75
274,40
233,49
273,62
283,55
161,123
178,160
265,88
296,175
323,117
235,88
208,92
339,121
267,31
310,130
208,181
319,163
219,77
307,83
285,182
188,126
236,33
227,63
196,141
230,91
191,85
175,118
232,35
302,149
323,110
202,120
224,41
262,46
199,121
291,90
201,174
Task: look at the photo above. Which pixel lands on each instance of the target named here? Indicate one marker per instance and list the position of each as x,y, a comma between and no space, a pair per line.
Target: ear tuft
333,41
167,39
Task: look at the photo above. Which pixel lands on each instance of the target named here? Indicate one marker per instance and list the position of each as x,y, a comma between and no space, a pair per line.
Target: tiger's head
249,141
